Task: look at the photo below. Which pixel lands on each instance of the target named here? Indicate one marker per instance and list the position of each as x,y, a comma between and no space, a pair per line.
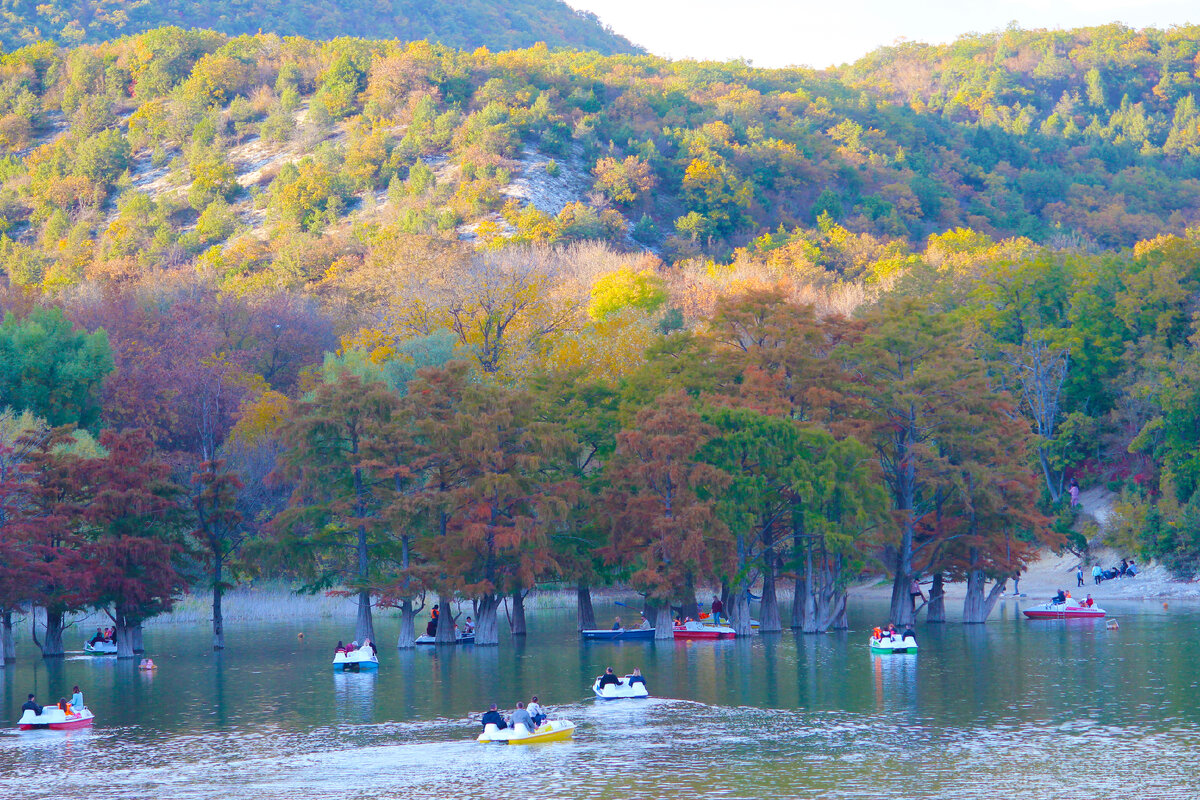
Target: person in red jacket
717,608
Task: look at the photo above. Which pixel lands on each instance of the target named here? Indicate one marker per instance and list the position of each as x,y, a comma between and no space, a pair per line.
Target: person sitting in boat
609,679
536,711
1059,598
77,698
31,705
431,628
1089,602
341,648
909,633
469,629
99,637
368,643
636,677
891,632
877,634
65,707
492,717
147,663
522,716
617,626
645,626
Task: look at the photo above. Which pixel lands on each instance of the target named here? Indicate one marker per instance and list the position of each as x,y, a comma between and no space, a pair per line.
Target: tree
663,520
220,530
51,369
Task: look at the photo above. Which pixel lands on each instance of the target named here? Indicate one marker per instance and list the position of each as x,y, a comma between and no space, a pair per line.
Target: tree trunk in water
977,607
768,614
124,636
799,604
52,645
518,613
486,629
935,612
7,642
664,627
583,605
902,602
445,626
217,618
739,612
135,636
363,626
408,620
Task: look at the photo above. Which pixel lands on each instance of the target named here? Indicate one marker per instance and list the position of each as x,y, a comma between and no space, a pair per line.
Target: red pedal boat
55,719
697,630
1072,609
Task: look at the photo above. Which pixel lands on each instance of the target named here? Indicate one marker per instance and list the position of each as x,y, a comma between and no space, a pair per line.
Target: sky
777,33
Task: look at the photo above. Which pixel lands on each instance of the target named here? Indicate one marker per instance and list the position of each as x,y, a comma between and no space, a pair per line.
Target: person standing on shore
1079,576
1097,573
717,608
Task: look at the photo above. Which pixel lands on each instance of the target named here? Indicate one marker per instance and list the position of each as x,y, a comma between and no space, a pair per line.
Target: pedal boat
55,719
462,638
887,645
619,635
707,619
698,630
363,658
100,648
552,730
1072,609
621,691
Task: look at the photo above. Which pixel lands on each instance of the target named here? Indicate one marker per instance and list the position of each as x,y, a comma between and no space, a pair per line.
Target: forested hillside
875,318
465,24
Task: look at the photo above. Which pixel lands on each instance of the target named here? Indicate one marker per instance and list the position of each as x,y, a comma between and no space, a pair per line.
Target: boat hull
1074,613
52,718
635,634
694,630
622,691
100,649
550,731
426,639
907,645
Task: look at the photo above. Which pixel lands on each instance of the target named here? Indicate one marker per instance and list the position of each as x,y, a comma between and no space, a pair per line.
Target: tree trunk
799,603
902,602
486,628
445,626
408,620
935,611
687,601
364,627
518,613
768,614
52,645
739,611
583,605
218,620
977,607
664,627
7,643
808,624
123,635
135,636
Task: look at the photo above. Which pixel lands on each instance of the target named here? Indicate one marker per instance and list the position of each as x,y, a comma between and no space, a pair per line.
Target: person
521,716
492,717
65,707
636,677
1132,569
1059,598
1073,490
909,633
891,632
645,623
1124,567
914,591
147,663
31,705
435,612
877,633
341,648
1097,574
470,627
608,678
617,624
371,644
1089,602
99,637
431,628
1079,576
536,712
717,608
77,698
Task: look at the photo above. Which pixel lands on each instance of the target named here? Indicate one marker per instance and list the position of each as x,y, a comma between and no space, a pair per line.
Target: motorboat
55,719
893,644
552,730
1070,609
698,630
619,635
356,660
625,690
100,648
459,638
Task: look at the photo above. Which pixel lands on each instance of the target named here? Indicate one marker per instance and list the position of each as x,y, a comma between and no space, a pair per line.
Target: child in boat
65,707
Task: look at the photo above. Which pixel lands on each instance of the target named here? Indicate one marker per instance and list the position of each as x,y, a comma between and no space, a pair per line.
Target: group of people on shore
69,707
531,716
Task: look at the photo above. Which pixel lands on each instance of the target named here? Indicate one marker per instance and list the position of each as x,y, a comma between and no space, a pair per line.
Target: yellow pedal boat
554,730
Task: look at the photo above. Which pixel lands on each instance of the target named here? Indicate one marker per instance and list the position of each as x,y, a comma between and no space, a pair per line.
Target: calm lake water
1012,709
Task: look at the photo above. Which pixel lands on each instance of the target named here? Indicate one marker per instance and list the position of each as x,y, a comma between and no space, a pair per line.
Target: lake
1015,708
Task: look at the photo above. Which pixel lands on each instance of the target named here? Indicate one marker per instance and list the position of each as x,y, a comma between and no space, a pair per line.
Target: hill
463,24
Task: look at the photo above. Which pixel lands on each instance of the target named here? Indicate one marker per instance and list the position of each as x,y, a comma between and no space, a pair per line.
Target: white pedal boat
886,645
621,691
356,660
100,648
552,730
460,638
55,719
1072,609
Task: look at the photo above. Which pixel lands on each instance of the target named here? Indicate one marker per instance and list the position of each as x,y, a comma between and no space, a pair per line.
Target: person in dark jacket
609,679
493,717
31,705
